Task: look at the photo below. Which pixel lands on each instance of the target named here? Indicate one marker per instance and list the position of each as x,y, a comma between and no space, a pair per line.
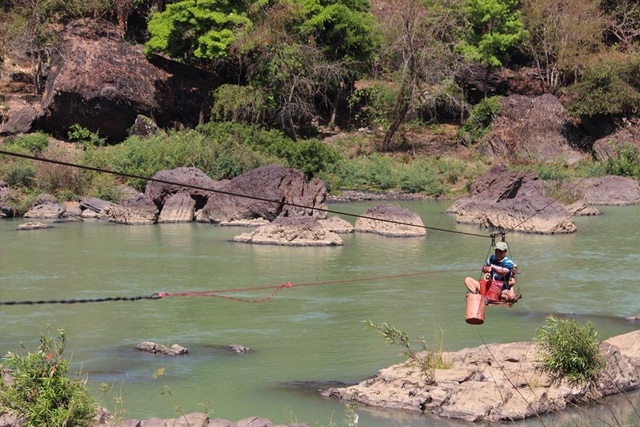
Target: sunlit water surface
311,334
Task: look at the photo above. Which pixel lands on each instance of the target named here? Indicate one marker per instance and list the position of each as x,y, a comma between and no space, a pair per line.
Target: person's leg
472,284
508,295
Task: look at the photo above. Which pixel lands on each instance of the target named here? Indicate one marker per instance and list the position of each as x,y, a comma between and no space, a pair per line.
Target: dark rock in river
136,209
267,192
45,206
512,201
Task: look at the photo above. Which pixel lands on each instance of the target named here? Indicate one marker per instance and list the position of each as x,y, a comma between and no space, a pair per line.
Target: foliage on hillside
297,65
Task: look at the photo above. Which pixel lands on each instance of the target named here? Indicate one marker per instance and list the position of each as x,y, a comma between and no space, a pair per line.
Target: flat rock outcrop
512,201
392,221
337,225
493,383
292,231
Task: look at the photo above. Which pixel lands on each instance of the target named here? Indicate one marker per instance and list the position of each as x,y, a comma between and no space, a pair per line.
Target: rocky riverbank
495,382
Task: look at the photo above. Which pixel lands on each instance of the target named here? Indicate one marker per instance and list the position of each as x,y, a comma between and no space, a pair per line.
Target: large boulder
103,84
6,195
512,201
20,122
136,209
610,146
606,190
267,192
45,206
535,129
179,207
165,184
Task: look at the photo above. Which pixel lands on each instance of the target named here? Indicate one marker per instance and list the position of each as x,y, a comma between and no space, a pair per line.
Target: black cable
228,193
82,300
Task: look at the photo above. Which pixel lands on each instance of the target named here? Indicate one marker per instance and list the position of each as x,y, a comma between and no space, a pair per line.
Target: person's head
501,250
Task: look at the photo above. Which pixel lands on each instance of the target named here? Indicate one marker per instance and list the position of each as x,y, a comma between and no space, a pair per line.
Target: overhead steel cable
229,193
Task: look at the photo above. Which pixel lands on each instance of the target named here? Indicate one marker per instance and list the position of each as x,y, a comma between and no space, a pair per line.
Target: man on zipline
501,270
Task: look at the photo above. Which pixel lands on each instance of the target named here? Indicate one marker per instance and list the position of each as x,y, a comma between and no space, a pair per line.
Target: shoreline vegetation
350,166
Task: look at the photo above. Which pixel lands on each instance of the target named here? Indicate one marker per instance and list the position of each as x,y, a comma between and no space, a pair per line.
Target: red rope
216,293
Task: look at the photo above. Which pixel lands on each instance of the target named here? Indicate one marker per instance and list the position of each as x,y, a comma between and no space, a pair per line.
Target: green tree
196,30
418,36
304,56
30,31
610,88
494,26
560,43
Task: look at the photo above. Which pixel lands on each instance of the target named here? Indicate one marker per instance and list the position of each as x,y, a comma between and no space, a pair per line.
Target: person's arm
500,270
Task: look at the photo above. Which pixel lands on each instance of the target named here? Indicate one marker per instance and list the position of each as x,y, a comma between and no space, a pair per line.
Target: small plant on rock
427,360
39,390
569,350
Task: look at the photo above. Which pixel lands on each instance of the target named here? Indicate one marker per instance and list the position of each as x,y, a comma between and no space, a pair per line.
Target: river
310,333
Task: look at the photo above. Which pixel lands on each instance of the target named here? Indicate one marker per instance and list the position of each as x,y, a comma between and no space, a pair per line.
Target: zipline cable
217,293
228,193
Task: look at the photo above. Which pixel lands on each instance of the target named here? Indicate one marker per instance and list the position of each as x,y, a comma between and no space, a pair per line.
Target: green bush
239,104
478,124
308,156
626,162
220,156
42,393
34,143
85,136
372,104
610,88
569,350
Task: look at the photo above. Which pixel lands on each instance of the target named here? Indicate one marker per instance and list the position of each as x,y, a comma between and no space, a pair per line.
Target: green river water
312,334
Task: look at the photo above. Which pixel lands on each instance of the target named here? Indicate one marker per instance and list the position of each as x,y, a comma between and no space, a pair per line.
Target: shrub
610,88
238,104
34,143
85,136
427,361
626,162
478,124
569,350
308,156
42,393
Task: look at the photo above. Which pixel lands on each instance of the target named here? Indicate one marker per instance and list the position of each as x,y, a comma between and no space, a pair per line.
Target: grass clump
40,391
569,350
427,360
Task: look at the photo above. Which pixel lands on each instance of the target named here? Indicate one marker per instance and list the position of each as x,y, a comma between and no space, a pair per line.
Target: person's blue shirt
505,262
